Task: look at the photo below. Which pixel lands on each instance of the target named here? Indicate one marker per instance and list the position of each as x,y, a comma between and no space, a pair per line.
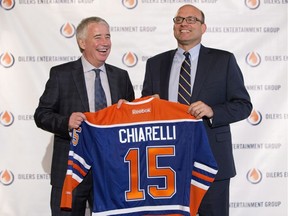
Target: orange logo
67,30
7,4
6,118
130,59
255,118
7,60
6,177
254,176
130,4
253,59
252,4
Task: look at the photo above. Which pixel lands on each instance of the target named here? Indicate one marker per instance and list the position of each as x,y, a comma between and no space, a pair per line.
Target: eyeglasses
189,20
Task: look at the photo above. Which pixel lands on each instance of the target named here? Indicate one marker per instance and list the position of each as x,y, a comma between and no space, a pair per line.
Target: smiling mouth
185,31
102,50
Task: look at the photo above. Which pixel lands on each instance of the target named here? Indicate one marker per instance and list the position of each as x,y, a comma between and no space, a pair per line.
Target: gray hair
81,30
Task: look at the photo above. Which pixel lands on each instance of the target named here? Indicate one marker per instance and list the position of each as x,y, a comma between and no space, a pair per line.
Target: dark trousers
216,200
81,194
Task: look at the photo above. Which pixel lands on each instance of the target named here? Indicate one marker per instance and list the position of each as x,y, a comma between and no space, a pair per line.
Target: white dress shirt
89,75
175,71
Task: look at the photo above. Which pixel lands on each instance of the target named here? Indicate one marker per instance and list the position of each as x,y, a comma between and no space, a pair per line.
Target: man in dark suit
218,96
68,93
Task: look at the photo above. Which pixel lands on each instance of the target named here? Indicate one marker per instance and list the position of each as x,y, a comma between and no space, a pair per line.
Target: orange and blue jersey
148,157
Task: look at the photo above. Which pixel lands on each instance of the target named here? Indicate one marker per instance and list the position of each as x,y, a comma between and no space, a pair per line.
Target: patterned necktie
184,90
100,98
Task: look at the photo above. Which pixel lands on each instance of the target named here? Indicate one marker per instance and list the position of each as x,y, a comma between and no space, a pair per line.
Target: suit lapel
112,77
202,71
79,80
165,73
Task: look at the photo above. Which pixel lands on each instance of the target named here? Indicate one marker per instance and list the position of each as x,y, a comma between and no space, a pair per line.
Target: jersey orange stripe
201,176
77,167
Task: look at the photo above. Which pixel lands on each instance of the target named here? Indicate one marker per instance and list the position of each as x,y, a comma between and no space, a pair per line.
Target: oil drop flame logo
67,30
6,118
7,4
252,4
255,118
7,60
254,176
253,59
6,177
130,59
130,4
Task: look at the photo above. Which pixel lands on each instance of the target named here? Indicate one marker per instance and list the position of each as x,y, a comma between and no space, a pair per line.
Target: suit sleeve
238,105
46,115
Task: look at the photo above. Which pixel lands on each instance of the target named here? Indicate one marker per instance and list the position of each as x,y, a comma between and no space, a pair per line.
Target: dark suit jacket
65,93
218,83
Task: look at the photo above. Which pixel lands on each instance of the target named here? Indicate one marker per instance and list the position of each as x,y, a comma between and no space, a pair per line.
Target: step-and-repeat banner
38,34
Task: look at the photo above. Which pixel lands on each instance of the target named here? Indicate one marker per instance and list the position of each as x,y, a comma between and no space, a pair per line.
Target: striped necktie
184,90
100,98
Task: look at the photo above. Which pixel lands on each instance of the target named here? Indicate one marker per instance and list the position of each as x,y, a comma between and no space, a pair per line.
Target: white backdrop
37,34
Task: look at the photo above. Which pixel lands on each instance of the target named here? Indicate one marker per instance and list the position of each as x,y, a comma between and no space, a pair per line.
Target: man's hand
156,96
120,102
200,109
75,120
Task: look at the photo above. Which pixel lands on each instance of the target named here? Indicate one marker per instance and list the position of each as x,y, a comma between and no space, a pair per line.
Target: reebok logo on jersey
140,111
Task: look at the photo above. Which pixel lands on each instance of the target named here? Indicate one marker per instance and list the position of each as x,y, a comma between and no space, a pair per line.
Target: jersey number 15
153,154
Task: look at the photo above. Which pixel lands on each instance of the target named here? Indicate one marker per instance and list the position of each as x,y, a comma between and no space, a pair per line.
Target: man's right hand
75,120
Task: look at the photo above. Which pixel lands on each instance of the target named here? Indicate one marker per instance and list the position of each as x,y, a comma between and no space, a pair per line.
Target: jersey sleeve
77,169
204,169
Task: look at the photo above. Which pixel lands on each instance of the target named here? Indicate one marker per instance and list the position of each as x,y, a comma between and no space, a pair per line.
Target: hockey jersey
148,157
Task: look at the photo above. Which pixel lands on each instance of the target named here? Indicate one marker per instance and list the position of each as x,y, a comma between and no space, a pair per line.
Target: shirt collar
87,67
194,52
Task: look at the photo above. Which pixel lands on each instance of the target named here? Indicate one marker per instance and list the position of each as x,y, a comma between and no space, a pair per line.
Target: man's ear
81,44
204,27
